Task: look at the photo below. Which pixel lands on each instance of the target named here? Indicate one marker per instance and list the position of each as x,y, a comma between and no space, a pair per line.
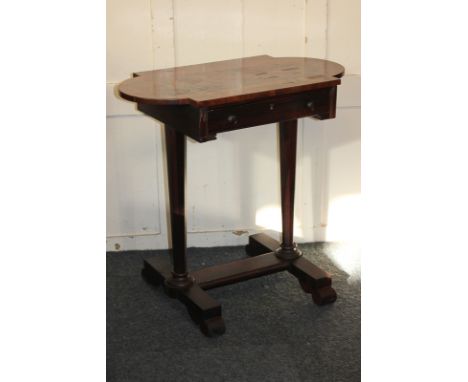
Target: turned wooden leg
175,156
288,139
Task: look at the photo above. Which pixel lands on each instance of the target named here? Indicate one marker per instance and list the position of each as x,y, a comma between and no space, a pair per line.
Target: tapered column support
288,144
175,157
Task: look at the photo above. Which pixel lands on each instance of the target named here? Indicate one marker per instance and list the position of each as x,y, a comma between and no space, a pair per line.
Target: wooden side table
201,101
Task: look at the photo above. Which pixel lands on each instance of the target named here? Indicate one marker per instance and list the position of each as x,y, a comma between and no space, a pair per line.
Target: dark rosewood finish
175,157
240,270
203,100
206,99
288,143
228,82
312,279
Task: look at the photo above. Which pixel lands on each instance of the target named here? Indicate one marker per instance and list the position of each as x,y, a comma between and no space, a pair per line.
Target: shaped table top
231,81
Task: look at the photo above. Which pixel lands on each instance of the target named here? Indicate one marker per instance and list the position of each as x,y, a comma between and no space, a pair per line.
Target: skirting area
274,330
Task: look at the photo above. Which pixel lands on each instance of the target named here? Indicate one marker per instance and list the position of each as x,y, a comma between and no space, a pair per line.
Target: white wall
232,182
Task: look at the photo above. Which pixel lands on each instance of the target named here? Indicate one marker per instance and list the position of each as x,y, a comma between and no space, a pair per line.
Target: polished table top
231,81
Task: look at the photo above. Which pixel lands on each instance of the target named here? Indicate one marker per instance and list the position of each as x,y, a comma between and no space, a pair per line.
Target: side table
201,101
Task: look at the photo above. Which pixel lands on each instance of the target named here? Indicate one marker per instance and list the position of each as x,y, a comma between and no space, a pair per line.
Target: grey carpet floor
274,332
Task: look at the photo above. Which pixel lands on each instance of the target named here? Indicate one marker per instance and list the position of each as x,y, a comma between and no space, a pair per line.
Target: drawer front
319,103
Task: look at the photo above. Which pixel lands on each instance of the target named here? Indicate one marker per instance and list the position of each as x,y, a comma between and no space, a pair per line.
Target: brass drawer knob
232,119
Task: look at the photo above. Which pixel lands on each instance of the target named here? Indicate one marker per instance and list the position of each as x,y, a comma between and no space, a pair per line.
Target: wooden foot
213,327
260,244
202,308
314,281
324,295
210,327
